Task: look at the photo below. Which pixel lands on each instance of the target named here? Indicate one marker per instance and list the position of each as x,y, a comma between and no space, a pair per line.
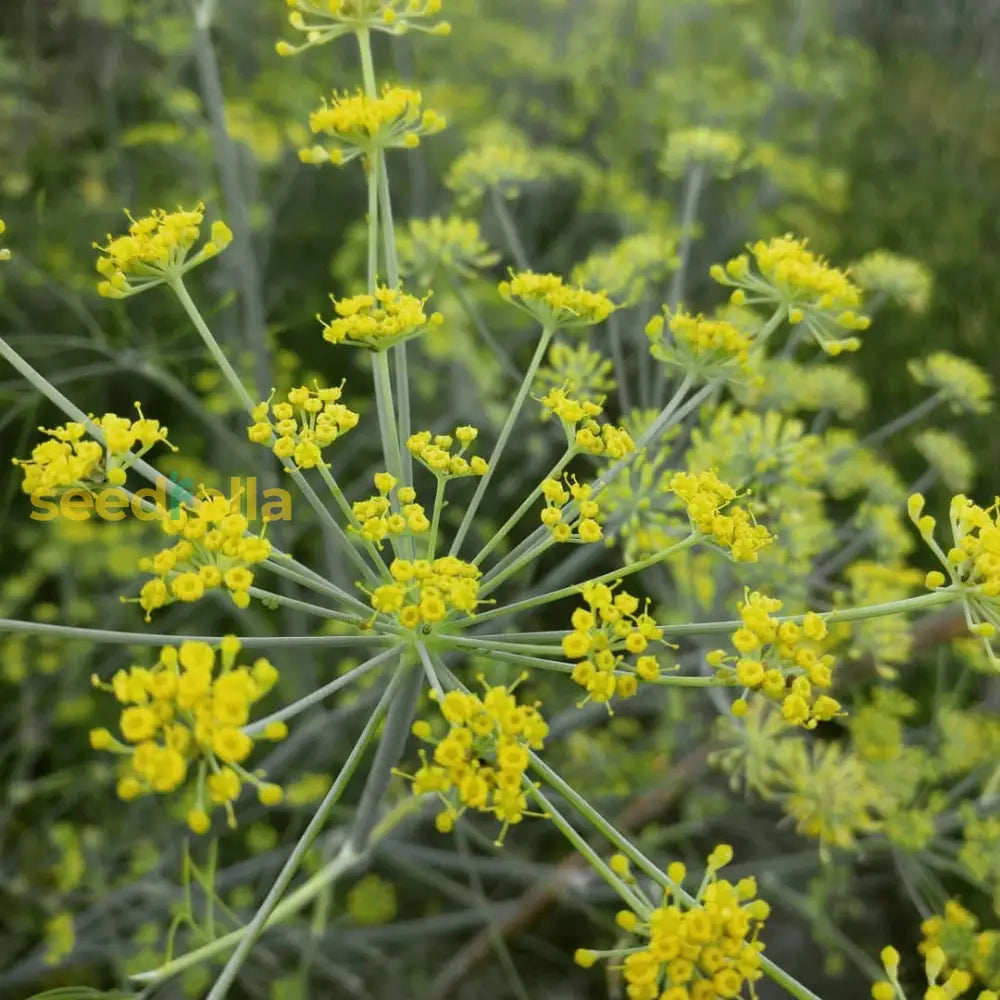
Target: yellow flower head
425,593
69,461
215,550
802,284
378,321
188,711
698,948
155,250
303,424
358,124
703,348
553,303
710,506
481,761
606,632
445,454
321,21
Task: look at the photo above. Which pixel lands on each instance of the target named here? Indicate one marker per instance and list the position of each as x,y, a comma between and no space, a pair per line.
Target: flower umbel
481,761
184,712
553,303
359,124
692,949
303,424
378,321
155,250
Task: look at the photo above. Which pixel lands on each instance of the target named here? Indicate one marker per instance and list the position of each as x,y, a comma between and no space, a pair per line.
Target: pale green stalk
505,431
562,667
530,499
862,613
399,351
114,638
301,704
429,672
272,910
406,684
629,895
436,514
555,595
177,286
345,508
903,421
304,606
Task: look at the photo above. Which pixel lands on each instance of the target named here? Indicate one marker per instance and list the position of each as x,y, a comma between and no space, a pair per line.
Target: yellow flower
553,303
155,250
186,710
378,321
359,125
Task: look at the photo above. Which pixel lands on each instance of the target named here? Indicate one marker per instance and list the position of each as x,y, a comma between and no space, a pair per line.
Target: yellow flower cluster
782,661
706,497
973,951
214,550
703,348
480,763
304,423
582,430
435,452
67,461
155,250
322,21
391,512
4,252
608,629
425,592
378,321
359,124
704,950
553,303
800,282
559,522
182,712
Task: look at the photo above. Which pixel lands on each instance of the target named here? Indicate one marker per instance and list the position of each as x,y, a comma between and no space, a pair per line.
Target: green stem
512,521
154,639
505,431
555,595
862,613
272,910
179,289
436,515
300,705
406,684
631,898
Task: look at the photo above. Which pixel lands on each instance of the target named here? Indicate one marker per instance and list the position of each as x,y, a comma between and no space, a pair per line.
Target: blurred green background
867,125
